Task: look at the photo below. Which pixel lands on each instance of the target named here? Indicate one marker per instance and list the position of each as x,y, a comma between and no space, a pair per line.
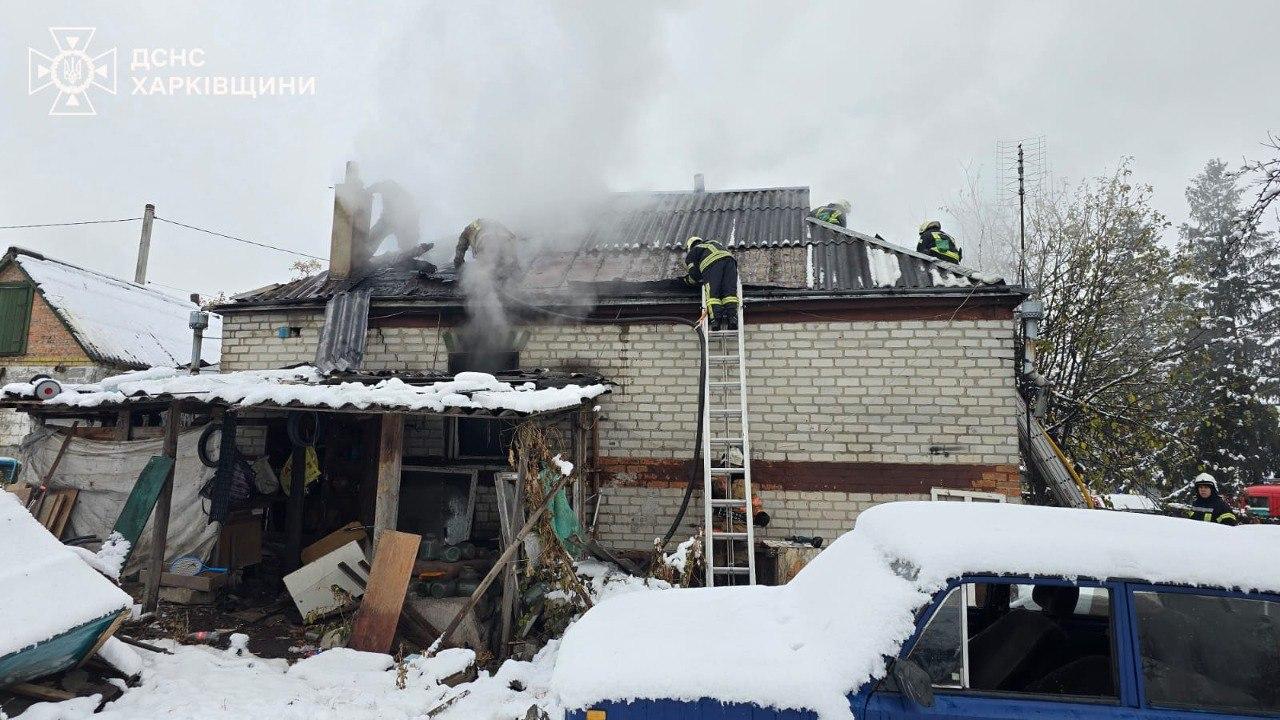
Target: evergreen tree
1230,278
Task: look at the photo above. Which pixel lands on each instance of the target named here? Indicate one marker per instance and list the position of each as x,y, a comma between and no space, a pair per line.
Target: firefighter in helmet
709,264
935,242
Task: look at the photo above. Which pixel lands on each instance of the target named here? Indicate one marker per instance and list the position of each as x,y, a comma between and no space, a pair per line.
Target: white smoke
518,112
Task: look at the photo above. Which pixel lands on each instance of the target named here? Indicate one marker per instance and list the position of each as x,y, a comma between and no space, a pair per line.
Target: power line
66,224
240,239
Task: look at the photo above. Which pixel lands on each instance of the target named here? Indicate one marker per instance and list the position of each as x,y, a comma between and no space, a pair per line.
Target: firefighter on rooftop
491,239
937,243
836,213
708,263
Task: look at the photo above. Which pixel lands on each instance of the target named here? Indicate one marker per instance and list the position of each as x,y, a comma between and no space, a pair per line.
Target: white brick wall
882,391
15,425
633,517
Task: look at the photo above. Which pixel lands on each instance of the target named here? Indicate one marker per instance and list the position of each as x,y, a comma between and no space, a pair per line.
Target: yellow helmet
930,225
692,239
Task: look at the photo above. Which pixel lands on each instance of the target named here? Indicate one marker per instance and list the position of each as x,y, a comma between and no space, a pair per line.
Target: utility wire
240,239
66,224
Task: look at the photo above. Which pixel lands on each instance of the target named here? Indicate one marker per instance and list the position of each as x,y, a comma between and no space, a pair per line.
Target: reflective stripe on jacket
700,256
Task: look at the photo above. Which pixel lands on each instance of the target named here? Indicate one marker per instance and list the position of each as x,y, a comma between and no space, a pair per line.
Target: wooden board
142,498
351,532
56,509
22,491
379,613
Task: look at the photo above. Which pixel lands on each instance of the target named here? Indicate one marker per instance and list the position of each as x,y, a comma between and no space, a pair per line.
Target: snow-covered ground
201,682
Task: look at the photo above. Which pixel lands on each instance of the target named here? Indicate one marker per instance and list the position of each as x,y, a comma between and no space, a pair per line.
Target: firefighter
491,238
1208,505
836,213
935,242
707,263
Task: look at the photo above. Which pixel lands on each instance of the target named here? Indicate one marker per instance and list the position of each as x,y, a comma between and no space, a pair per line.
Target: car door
1201,652
1010,648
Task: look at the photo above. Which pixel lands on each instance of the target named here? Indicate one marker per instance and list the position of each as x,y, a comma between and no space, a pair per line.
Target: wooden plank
124,419
69,496
379,613
106,635
499,566
22,491
390,455
142,498
164,500
43,693
351,532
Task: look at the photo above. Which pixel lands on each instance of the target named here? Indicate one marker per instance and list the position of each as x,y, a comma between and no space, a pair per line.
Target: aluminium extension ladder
726,456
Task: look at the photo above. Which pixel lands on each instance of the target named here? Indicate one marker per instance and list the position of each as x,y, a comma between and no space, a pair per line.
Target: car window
939,650
1037,639
1209,652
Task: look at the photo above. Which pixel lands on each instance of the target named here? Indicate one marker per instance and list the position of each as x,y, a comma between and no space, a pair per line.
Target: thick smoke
518,112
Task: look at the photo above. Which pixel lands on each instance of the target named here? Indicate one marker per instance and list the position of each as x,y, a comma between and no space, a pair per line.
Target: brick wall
844,413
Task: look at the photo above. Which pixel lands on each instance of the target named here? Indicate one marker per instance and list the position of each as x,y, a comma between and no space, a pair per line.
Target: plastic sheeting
105,472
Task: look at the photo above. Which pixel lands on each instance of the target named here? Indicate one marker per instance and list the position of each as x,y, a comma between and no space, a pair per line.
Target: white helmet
1206,479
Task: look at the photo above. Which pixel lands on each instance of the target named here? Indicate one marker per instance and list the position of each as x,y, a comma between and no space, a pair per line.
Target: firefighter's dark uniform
836,213
937,243
1213,508
707,263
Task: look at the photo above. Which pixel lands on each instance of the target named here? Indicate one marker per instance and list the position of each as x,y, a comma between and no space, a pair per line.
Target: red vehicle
1263,502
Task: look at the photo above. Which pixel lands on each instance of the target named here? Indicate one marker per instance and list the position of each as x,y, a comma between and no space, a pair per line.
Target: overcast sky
499,109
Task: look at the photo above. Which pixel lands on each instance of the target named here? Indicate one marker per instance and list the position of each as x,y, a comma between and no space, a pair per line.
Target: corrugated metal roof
846,260
739,218
342,339
636,249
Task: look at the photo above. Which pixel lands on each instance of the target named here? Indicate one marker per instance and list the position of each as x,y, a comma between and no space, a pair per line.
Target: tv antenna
1022,170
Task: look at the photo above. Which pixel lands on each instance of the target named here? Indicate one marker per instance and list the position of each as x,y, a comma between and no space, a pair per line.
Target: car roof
947,540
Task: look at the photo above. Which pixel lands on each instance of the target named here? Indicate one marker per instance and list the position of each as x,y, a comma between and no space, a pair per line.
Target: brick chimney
699,183
352,206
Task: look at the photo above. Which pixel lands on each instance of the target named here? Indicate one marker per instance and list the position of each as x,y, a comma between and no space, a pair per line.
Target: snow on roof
1121,501
809,643
48,589
117,321
302,387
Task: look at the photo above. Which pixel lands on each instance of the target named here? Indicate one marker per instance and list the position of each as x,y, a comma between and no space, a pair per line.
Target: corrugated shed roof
116,321
740,218
636,249
846,260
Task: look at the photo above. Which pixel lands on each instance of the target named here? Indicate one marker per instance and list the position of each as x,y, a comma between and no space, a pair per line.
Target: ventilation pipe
699,183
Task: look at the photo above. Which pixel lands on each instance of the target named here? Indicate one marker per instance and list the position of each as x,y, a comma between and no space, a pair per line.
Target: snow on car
956,610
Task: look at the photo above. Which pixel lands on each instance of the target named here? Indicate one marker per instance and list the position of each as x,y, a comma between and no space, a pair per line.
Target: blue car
1026,613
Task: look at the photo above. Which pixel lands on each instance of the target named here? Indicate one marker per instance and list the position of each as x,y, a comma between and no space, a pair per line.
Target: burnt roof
635,249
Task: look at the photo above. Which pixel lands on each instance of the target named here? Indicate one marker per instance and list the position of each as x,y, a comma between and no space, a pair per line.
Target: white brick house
875,373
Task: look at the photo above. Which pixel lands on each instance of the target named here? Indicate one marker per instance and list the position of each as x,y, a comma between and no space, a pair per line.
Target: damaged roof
115,321
636,248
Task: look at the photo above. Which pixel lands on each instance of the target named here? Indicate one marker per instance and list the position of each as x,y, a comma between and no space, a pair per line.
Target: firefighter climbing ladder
729,538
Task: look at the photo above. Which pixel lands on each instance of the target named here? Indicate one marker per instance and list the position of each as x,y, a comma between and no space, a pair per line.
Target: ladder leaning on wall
727,508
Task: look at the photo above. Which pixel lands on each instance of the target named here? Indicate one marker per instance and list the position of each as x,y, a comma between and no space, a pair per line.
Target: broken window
1209,652
1039,639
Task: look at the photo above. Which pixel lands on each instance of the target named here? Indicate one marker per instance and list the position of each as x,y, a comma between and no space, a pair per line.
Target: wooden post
386,510
295,508
160,516
511,581
580,422
123,420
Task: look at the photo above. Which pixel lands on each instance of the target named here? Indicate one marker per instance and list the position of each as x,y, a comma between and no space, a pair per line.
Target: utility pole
144,244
